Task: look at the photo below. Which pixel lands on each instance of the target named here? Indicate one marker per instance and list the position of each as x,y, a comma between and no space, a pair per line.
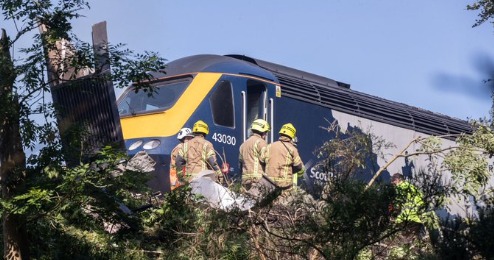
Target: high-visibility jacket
283,162
409,200
174,182
251,157
197,155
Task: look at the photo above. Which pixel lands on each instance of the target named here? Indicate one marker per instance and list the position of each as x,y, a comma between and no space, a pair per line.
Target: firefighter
197,154
409,204
251,155
283,162
184,135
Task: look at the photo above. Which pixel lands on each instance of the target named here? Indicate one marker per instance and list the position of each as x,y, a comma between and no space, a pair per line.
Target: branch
432,152
400,154
304,241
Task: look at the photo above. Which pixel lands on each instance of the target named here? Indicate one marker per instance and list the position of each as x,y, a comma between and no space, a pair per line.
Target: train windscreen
162,97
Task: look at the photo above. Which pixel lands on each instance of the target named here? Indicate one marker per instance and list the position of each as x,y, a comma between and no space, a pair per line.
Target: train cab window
222,104
164,97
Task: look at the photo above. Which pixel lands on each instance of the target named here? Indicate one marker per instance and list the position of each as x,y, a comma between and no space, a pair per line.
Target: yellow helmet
200,127
288,130
260,125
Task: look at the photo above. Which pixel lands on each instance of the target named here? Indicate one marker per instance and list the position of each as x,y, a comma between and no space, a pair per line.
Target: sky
422,53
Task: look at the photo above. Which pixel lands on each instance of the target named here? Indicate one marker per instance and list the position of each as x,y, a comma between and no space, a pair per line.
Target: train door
235,103
254,105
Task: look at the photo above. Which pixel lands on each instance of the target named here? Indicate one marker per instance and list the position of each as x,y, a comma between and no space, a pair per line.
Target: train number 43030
225,139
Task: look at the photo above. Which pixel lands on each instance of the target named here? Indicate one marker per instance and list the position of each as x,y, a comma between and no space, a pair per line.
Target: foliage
481,236
486,8
466,239
351,223
351,219
468,163
177,214
78,207
294,228
183,227
58,204
34,76
351,153
80,212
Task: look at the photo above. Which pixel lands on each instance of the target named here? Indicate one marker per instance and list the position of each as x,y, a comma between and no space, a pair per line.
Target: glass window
164,97
222,104
255,100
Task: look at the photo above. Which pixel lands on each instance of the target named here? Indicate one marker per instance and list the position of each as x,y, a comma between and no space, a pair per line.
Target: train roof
325,92
215,63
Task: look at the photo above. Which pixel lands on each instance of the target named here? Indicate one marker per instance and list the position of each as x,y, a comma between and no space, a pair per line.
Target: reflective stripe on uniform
251,157
201,150
256,160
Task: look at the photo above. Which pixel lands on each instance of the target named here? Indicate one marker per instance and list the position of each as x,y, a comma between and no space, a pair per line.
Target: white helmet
184,132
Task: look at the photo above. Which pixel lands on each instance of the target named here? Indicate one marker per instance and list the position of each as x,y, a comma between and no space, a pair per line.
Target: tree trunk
12,157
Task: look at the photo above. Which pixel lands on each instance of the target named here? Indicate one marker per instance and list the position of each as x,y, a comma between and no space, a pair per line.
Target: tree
486,8
30,187
70,204
12,157
351,219
457,171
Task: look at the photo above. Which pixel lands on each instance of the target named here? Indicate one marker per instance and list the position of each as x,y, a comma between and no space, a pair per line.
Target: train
228,92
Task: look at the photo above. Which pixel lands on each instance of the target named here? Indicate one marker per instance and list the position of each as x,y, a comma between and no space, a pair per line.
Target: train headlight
135,145
151,144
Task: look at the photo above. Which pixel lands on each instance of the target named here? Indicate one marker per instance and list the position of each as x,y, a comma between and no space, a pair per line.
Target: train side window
255,100
255,103
222,104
